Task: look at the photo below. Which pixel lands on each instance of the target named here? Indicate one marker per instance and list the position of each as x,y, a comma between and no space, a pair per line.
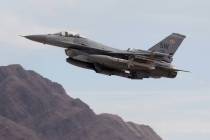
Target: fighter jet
132,63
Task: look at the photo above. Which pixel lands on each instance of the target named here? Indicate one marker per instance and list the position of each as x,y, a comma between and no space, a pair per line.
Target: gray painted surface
133,64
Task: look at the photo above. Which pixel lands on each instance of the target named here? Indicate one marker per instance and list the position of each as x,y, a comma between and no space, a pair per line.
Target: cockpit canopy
66,34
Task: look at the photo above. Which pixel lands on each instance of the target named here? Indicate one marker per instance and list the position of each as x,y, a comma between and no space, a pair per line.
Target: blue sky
176,109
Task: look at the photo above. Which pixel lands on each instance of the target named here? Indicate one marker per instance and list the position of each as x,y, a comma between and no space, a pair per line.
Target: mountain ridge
38,108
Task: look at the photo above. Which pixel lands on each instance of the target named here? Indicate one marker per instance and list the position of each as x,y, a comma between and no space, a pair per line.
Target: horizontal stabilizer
180,70
173,69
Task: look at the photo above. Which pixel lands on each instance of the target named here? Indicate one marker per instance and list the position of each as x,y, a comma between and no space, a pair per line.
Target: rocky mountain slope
33,107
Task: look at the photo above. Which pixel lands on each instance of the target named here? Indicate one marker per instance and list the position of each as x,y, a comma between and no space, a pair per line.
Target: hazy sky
176,108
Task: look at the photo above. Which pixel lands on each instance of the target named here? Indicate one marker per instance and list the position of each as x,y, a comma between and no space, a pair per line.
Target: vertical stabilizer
169,45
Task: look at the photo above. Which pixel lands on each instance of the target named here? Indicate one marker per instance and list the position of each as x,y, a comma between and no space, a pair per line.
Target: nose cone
37,38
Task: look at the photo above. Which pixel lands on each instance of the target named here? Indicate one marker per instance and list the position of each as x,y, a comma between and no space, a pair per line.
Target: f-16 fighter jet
132,63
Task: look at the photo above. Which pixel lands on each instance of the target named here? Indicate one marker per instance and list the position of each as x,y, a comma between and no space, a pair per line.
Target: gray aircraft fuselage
133,64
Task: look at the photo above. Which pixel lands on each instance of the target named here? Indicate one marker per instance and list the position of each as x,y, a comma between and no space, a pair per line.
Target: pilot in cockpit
66,34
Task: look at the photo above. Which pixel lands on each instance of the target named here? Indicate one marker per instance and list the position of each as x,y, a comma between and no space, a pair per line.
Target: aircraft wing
134,53
143,55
